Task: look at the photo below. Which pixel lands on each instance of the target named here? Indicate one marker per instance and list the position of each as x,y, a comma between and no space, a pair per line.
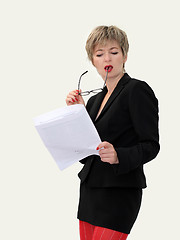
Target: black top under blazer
129,121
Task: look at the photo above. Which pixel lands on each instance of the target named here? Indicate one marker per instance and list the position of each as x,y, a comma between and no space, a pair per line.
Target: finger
79,94
105,151
80,98
73,96
106,155
110,161
107,159
103,145
70,100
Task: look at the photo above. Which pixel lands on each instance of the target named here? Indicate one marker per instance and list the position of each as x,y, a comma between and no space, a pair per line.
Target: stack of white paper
68,133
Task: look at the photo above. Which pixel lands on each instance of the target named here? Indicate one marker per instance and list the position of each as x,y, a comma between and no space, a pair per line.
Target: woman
125,114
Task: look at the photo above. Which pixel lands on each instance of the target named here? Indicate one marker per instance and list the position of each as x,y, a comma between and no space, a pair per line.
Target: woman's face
110,56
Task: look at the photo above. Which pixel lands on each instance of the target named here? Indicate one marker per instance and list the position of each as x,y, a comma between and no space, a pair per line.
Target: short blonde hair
102,34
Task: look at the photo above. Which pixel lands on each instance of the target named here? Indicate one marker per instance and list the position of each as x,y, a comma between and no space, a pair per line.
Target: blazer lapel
122,82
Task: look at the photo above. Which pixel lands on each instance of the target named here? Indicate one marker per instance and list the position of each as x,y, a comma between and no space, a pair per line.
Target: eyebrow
109,49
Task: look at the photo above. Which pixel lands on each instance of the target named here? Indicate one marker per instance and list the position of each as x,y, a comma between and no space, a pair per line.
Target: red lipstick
108,68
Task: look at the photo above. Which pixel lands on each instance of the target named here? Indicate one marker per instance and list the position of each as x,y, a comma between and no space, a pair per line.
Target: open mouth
108,68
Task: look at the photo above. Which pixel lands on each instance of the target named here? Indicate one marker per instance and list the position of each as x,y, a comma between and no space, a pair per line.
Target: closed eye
114,53
98,55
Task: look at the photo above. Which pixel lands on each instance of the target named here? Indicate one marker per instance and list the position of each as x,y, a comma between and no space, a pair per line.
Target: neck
112,82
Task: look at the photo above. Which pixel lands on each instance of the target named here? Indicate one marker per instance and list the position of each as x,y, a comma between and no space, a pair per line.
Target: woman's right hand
74,98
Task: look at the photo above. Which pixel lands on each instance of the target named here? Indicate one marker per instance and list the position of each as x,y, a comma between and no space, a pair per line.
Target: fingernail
76,99
97,148
73,100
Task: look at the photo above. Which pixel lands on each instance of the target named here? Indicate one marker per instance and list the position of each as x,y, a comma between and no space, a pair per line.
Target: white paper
68,133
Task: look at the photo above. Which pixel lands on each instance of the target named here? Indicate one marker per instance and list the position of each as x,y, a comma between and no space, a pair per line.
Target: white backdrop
42,55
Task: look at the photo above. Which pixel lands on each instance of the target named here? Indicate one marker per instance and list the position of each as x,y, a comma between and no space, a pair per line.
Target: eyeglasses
85,93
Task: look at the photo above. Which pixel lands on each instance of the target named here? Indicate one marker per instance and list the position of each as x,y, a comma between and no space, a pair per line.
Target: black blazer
129,121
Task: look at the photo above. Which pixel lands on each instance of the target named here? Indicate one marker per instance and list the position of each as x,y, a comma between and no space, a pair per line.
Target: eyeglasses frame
85,93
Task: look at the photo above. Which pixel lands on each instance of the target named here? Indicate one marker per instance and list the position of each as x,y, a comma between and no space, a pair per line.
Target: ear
125,58
92,62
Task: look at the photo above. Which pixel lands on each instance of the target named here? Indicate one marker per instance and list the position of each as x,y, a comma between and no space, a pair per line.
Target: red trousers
91,232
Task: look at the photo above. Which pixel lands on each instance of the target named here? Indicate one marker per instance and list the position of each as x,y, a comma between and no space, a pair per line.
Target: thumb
103,145
80,98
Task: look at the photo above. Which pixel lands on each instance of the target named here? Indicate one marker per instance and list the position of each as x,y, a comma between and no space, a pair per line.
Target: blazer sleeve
143,107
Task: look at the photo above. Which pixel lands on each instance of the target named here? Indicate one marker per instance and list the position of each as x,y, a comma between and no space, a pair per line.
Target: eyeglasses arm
80,79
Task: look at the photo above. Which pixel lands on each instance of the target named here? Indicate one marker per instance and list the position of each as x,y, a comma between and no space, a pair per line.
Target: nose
107,57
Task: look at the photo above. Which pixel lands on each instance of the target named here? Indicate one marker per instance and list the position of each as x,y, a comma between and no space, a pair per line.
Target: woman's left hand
107,153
